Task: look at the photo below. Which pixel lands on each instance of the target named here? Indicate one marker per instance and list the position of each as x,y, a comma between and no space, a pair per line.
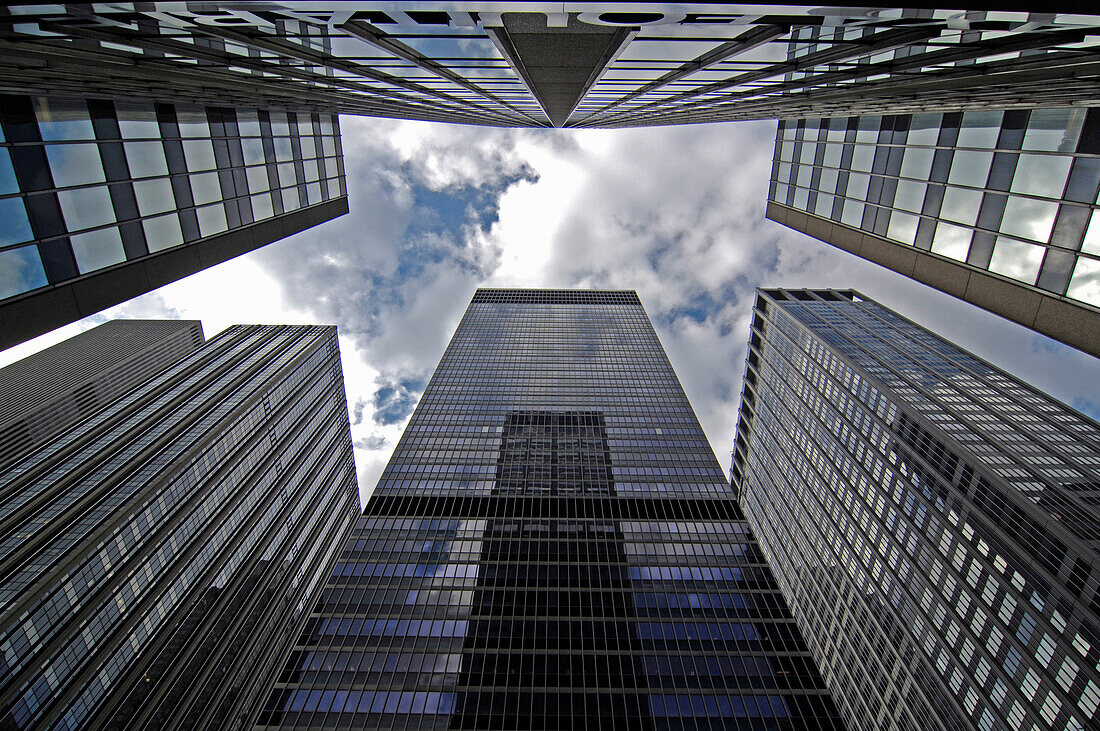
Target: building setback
931,519
552,545
998,208
103,200
157,556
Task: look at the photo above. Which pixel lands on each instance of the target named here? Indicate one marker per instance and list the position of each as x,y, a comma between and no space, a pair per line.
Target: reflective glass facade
1009,194
933,521
591,64
103,200
552,545
157,557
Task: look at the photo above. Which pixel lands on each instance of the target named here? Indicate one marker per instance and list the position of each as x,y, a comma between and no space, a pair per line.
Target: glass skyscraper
158,553
932,520
541,64
999,208
552,545
104,200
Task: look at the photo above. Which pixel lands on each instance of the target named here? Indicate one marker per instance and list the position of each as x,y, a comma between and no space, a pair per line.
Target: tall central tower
552,545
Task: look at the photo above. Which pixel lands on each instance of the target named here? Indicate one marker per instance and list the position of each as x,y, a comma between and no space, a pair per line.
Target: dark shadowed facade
932,520
552,545
156,554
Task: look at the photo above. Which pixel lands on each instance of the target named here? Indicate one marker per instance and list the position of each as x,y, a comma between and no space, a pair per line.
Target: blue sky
675,213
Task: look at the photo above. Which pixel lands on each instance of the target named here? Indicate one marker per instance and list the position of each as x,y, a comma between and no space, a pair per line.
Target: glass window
917,163
1054,130
8,183
970,168
75,164
154,196
329,149
909,196
205,188
98,249
801,198
951,241
199,155
20,271
857,185
868,129
137,121
924,129
786,149
863,158
211,219
86,207
261,207
1029,218
326,124
980,129
248,123
903,227
805,174
163,232
253,151
833,152
961,205
287,175
824,205
146,159
852,213
1043,175
279,125
312,174
257,179
1085,284
17,226
291,200
1091,243
192,121
283,149
63,119
1016,259
826,183
806,157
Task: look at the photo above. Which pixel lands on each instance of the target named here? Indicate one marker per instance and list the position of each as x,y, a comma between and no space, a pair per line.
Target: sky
676,213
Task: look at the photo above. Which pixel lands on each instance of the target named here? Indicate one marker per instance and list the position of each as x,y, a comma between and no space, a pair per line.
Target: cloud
395,398
371,443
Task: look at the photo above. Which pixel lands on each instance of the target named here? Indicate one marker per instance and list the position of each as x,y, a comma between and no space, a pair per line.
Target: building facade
932,520
105,199
48,392
157,556
552,545
539,64
998,208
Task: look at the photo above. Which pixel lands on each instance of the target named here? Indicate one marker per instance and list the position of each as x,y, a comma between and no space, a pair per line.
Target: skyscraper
999,208
932,520
541,64
552,545
104,200
156,555
46,393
